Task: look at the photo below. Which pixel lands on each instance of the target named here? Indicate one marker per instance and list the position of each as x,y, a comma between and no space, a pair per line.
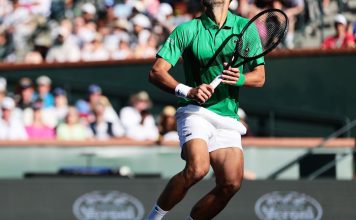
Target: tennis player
208,126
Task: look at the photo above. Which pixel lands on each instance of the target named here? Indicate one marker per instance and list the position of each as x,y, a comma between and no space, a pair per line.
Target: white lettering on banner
291,205
108,205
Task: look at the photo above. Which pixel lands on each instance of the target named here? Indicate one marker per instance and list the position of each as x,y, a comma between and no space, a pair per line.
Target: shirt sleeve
175,44
259,61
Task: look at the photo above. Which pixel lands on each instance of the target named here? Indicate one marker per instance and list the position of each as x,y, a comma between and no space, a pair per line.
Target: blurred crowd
305,16
34,31
36,111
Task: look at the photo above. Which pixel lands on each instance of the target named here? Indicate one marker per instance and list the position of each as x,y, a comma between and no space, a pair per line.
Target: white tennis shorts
195,122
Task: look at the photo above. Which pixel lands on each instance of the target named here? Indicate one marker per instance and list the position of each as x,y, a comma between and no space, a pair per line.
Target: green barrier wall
307,93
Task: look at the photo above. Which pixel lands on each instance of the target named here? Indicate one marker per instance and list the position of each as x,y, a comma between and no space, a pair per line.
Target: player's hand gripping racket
260,36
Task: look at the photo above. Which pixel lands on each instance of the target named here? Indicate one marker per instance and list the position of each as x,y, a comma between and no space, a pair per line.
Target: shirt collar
210,24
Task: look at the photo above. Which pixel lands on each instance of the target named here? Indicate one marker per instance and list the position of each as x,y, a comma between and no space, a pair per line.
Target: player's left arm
254,78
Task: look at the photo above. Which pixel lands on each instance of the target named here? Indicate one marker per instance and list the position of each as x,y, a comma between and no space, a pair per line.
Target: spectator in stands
38,44
185,12
11,128
168,126
5,9
33,57
293,8
138,122
140,32
165,16
64,49
242,7
20,24
2,89
351,28
60,104
25,28
109,112
110,40
84,110
148,49
342,38
88,12
95,50
122,38
119,31
102,128
95,92
25,93
85,32
44,91
95,96
123,51
151,6
37,7
6,45
71,129
123,10
37,129
48,114
16,113
106,15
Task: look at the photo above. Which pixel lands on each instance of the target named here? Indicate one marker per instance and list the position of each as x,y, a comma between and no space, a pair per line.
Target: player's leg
197,166
228,167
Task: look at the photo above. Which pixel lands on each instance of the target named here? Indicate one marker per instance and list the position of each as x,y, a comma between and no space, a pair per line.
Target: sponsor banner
288,205
114,205
131,199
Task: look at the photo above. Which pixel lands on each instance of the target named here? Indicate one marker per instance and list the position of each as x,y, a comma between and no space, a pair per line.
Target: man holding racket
208,126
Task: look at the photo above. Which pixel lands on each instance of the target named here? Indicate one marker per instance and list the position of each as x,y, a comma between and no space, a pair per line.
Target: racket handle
216,81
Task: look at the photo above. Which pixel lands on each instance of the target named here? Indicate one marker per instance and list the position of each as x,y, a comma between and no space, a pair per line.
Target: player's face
210,3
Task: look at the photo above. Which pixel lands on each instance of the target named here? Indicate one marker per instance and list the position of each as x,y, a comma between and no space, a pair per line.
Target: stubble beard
212,3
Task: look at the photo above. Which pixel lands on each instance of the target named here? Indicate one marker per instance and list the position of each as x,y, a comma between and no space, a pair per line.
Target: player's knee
196,173
229,188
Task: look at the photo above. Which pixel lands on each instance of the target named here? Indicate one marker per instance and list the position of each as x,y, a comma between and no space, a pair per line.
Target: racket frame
236,53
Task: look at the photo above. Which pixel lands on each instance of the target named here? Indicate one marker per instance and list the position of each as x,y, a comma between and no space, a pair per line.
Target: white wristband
182,90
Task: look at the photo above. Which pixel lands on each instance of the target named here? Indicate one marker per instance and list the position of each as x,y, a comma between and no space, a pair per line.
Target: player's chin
210,3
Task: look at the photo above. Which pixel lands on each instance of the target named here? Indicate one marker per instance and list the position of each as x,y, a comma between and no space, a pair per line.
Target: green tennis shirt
204,48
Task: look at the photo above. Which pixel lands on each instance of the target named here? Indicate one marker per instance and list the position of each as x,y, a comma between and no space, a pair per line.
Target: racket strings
263,34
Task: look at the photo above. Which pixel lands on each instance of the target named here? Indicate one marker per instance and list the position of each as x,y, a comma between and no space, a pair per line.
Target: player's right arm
168,56
159,76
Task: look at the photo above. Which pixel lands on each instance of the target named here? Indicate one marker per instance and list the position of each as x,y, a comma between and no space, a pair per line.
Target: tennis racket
260,36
